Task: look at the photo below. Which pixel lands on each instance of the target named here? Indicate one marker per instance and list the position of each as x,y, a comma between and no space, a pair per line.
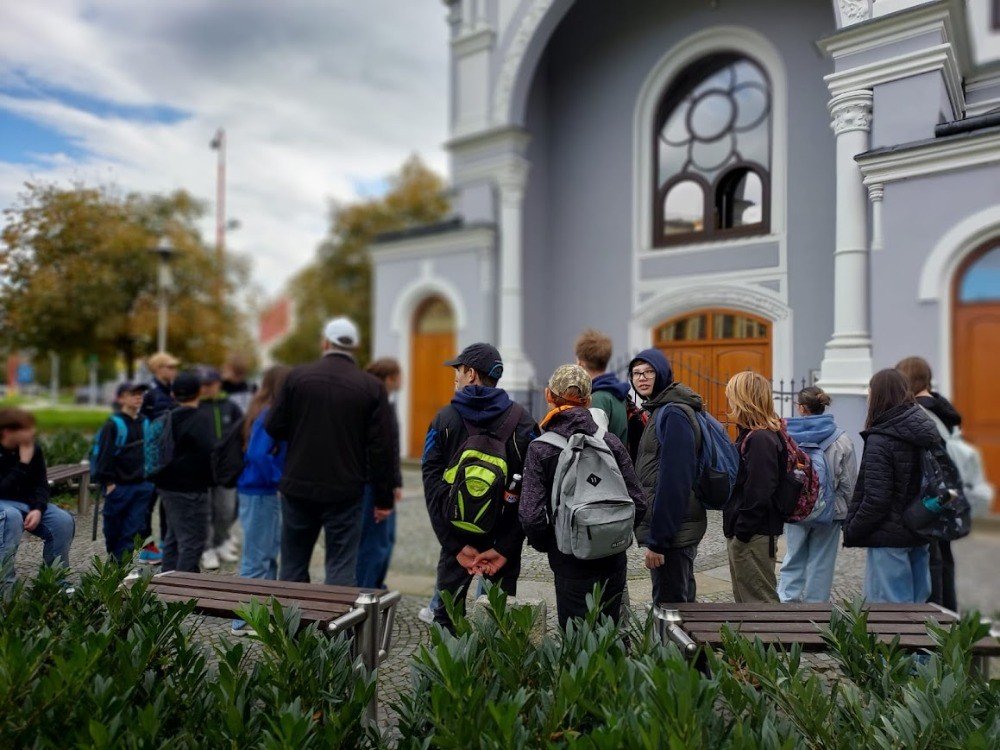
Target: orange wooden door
707,347
431,383
977,357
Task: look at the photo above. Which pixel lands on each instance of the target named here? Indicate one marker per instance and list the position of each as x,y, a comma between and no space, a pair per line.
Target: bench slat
698,607
198,579
878,617
814,643
252,587
800,627
236,599
223,608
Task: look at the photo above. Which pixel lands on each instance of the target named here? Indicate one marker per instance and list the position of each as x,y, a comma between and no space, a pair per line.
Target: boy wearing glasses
667,465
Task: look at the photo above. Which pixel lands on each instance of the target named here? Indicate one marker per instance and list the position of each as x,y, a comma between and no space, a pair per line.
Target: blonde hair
751,404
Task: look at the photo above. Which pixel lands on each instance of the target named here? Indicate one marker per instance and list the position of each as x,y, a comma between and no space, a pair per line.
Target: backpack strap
554,439
121,431
693,420
830,440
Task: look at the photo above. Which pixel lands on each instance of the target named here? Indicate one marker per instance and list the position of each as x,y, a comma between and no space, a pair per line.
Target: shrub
65,447
106,667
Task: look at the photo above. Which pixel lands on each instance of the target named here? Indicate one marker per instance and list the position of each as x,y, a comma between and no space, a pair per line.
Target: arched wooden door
431,384
707,347
976,356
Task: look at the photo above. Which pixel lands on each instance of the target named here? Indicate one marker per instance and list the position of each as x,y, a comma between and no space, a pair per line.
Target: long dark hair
274,378
888,389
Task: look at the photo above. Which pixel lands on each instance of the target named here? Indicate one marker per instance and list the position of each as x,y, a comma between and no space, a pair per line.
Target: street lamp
164,250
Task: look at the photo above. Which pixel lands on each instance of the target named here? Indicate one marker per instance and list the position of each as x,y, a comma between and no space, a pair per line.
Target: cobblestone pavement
416,554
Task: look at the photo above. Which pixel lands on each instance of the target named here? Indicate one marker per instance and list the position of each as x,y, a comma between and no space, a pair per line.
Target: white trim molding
937,278
684,298
514,59
930,157
477,239
715,39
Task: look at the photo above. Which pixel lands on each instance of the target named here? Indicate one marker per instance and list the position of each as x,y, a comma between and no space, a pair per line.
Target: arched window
713,149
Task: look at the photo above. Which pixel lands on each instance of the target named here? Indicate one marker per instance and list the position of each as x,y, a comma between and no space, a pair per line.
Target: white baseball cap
342,332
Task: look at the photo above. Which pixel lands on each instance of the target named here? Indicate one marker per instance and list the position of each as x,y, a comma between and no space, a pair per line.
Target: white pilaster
876,193
511,182
847,365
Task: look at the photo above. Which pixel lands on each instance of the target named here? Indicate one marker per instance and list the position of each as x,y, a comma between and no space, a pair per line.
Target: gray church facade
805,187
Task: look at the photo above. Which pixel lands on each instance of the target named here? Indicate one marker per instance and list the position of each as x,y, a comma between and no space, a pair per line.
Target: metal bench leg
370,643
668,624
83,501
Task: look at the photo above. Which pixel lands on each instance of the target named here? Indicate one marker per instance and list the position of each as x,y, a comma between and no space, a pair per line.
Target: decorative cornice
514,58
854,11
752,299
931,157
473,239
851,111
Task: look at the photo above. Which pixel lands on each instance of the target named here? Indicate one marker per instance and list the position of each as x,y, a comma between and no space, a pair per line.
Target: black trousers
455,579
673,582
184,541
301,521
943,576
571,596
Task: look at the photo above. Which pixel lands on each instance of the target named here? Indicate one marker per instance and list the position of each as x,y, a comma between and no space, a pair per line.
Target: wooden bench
366,614
81,472
691,626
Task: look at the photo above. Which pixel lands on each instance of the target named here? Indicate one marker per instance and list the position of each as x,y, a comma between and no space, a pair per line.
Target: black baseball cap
483,358
131,387
186,386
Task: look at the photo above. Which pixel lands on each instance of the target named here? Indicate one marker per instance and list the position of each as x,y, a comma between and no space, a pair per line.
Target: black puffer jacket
889,479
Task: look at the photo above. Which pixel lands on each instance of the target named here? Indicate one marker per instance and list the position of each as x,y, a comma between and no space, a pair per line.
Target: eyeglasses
643,374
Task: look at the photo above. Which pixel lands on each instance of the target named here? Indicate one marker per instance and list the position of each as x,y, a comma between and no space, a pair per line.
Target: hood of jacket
610,383
572,421
812,429
660,364
942,409
480,404
675,393
906,422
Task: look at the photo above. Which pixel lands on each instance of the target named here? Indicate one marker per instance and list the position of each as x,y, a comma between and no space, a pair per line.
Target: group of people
318,449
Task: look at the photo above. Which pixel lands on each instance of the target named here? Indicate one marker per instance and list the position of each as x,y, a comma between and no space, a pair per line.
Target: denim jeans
187,519
260,517
375,548
674,580
807,570
301,521
125,511
898,575
56,530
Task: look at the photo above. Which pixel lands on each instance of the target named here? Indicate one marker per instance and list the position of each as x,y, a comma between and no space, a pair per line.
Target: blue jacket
264,461
158,400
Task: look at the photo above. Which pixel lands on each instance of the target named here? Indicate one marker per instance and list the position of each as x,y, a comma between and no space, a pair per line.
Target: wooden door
707,347
431,384
976,357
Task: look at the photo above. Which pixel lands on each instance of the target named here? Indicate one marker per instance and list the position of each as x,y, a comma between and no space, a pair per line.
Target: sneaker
209,560
226,553
150,554
426,614
240,629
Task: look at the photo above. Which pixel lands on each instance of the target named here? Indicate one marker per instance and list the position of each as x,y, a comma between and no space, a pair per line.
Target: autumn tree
338,282
77,276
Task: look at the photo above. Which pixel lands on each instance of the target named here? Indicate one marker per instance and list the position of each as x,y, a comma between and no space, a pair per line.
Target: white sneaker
426,614
226,554
231,545
209,560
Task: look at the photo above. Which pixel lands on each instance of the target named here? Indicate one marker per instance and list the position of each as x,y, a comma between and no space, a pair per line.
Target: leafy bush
65,447
106,667
83,419
489,687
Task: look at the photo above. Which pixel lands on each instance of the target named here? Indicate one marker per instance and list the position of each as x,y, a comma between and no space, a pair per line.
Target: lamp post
218,144
164,250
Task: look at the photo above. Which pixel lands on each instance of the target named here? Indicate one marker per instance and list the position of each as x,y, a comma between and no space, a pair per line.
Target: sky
320,100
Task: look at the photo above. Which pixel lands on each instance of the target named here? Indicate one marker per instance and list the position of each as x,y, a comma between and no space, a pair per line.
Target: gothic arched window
713,152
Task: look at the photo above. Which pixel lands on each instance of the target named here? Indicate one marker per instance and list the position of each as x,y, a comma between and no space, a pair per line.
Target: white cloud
316,97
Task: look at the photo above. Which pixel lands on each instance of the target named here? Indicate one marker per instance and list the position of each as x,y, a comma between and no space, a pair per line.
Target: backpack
478,480
969,463
227,457
940,511
158,447
826,502
718,459
121,439
798,487
593,514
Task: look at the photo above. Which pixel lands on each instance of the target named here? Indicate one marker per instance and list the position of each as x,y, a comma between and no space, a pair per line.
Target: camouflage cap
570,376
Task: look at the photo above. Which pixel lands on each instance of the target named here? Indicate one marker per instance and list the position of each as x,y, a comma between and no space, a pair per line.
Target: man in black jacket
479,403
337,423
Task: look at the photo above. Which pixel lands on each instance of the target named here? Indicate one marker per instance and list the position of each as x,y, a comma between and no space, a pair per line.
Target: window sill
647,251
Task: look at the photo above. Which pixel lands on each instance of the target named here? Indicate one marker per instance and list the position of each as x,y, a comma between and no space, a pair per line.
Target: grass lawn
51,418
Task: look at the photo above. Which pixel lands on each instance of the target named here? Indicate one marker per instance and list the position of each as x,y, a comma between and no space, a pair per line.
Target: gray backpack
593,514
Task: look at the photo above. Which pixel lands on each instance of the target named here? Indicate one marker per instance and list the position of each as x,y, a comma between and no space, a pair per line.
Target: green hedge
84,420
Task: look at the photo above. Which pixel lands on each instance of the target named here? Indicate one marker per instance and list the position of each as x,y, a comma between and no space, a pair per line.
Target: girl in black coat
896,432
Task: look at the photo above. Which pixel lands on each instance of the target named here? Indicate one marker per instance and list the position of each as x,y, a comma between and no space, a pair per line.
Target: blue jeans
807,570
56,529
898,575
377,541
125,511
260,517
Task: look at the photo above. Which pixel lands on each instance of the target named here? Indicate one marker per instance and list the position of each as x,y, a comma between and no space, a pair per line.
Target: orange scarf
556,410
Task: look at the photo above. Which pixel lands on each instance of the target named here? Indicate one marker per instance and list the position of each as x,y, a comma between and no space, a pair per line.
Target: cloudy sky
320,99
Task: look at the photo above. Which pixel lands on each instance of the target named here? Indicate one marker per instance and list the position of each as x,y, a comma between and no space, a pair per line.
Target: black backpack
227,457
479,477
940,511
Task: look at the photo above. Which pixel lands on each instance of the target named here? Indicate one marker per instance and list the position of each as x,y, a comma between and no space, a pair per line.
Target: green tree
338,282
77,276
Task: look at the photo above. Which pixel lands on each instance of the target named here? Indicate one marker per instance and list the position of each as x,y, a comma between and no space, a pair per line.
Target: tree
338,282
77,276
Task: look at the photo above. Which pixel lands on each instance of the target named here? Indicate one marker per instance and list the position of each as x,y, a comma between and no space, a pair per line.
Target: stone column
875,194
847,365
511,181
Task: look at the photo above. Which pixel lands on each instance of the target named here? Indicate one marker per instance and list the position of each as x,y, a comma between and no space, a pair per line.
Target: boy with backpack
581,499
117,465
609,396
473,452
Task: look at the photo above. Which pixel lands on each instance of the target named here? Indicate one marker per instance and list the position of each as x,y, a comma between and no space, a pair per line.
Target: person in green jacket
593,352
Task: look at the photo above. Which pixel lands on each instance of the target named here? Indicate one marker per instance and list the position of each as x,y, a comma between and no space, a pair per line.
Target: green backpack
479,478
